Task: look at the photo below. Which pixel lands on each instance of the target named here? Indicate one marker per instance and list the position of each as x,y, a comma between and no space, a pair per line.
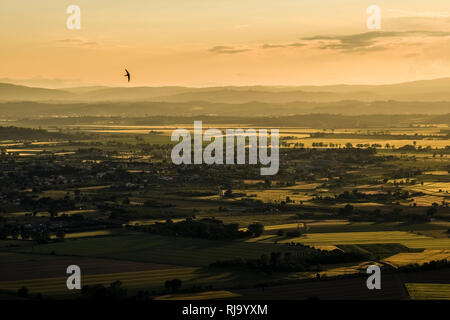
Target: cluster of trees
29,134
356,196
53,206
427,149
115,291
40,234
310,259
208,228
394,214
173,285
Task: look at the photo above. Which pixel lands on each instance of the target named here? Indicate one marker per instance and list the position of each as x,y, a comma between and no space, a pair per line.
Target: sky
223,42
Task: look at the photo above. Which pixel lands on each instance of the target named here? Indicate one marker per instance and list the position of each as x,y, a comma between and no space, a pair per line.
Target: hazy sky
224,42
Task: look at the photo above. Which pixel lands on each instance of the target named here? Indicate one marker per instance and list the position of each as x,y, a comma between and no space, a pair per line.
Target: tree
256,229
173,285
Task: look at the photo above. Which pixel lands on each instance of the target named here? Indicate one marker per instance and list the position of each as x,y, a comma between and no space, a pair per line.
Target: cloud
227,50
75,42
368,41
288,45
86,44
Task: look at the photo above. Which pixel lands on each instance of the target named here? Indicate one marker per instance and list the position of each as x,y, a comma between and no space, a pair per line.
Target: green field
158,249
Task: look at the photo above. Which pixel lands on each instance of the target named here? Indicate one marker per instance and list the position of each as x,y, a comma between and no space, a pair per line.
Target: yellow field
280,226
432,188
297,193
426,201
140,279
200,296
93,188
428,291
46,214
326,247
338,271
408,239
263,238
441,143
278,195
86,234
403,259
437,173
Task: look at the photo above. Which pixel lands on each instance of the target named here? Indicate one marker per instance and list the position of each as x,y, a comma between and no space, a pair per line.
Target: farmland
149,280
90,201
427,291
157,249
403,259
51,281
408,239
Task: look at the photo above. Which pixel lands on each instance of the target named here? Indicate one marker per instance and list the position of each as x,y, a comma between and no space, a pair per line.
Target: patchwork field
432,188
46,274
158,249
122,176
408,239
406,258
342,226
428,291
26,266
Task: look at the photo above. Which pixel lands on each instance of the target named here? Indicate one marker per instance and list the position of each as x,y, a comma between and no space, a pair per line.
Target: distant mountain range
426,90
419,97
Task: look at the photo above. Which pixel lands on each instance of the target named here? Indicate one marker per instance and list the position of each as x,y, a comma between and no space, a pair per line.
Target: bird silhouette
127,75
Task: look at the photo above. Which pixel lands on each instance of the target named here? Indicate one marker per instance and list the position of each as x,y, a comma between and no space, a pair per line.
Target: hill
22,110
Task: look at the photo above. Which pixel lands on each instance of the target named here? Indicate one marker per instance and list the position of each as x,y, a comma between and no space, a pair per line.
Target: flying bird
127,75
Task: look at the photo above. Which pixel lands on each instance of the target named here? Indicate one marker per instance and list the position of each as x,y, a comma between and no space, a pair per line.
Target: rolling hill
419,97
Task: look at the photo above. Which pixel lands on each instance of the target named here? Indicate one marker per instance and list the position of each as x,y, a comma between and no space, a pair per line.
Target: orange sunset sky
223,42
